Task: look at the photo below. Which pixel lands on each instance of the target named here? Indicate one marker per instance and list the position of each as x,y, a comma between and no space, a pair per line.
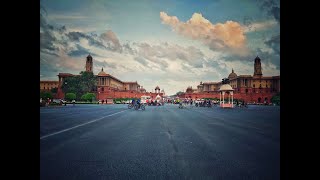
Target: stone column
223,97
231,98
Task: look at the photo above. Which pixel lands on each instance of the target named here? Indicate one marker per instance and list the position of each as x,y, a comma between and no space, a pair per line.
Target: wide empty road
165,142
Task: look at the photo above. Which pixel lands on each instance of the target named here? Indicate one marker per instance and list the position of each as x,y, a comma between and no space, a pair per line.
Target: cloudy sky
170,43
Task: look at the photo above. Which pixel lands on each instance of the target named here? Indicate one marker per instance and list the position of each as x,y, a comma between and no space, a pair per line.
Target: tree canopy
276,99
46,95
85,83
70,96
88,97
179,93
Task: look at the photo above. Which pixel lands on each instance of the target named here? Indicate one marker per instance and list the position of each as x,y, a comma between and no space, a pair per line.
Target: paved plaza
162,142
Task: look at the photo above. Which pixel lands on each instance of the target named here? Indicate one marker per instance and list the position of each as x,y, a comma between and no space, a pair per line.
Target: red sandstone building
109,87
256,88
48,85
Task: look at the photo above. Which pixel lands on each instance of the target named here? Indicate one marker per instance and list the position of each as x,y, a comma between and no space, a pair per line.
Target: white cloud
228,36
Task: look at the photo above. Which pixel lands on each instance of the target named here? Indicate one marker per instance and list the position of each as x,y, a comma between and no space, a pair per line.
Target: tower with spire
89,64
257,67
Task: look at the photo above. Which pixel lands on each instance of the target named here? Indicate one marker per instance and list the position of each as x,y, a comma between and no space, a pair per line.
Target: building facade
108,86
48,85
254,88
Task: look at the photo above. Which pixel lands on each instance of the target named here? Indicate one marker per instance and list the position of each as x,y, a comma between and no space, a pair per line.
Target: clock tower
257,67
89,63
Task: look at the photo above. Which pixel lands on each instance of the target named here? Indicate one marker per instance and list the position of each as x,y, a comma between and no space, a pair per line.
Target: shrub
88,97
70,96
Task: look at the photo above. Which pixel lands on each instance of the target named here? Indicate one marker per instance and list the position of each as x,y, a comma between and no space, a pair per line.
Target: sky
172,44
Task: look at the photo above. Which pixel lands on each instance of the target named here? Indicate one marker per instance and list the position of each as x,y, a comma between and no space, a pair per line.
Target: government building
108,86
254,88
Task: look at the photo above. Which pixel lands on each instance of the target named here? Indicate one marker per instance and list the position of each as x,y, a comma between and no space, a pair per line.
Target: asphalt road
112,142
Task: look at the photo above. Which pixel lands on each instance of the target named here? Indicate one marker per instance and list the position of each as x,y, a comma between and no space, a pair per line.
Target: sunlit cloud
228,36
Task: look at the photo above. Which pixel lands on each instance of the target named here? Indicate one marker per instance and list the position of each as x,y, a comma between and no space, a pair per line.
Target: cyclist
138,102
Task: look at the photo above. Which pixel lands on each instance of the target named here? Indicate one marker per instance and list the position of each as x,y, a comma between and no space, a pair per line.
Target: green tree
70,96
88,97
179,93
80,85
45,95
276,99
54,90
88,81
72,84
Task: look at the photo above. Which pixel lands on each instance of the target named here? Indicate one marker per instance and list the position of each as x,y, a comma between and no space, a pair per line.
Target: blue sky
170,43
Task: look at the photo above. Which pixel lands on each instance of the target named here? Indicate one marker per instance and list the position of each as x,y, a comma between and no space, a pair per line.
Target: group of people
150,102
205,103
241,104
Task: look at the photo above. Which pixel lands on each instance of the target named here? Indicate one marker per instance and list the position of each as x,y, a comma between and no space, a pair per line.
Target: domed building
102,73
157,89
254,88
143,90
108,86
232,75
162,91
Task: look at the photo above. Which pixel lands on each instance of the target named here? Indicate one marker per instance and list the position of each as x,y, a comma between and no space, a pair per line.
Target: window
254,85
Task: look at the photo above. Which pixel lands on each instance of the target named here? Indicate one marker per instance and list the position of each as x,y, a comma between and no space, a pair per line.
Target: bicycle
130,106
142,106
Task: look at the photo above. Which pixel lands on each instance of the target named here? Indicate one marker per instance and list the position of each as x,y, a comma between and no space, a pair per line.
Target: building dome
157,88
232,75
89,56
102,73
225,87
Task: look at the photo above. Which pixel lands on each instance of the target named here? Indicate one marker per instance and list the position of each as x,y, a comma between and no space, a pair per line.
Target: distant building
108,86
256,88
48,85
